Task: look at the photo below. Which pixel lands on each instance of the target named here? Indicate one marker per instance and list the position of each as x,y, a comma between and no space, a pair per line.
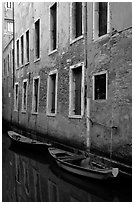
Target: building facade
72,77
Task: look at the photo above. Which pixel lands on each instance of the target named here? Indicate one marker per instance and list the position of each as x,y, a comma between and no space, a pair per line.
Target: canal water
29,175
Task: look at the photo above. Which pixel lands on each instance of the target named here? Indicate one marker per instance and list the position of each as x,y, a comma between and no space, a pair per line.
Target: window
9,26
4,67
22,50
53,27
27,46
18,53
100,19
100,86
9,4
24,95
76,101
52,93
16,95
35,95
76,20
37,39
8,64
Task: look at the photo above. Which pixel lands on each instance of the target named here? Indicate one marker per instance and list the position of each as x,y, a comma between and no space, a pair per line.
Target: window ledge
22,66
34,113
101,37
76,39
15,110
27,63
75,116
53,51
36,60
23,111
100,100
51,114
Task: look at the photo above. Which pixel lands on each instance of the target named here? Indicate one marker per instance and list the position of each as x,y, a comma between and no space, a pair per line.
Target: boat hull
23,141
73,164
81,172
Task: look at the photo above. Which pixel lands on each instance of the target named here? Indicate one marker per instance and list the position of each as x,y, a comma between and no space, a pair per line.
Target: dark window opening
102,18
52,93
37,38
53,26
17,53
24,95
22,50
36,94
4,67
77,19
100,86
77,77
8,63
16,96
9,4
27,46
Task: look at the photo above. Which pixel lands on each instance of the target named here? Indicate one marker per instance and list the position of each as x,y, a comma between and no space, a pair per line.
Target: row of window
8,63
100,28
76,91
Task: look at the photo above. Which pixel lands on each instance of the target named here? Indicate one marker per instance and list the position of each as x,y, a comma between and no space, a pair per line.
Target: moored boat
22,140
81,165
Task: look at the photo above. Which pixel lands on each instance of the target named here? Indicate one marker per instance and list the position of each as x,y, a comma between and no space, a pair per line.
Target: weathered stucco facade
102,126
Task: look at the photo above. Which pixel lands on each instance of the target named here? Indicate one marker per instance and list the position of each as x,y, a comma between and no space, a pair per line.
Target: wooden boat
81,165
22,140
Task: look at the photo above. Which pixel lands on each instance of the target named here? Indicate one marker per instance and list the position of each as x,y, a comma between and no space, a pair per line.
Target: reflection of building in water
32,180
37,187
53,191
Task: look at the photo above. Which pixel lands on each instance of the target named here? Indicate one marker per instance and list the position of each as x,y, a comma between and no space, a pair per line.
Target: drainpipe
87,112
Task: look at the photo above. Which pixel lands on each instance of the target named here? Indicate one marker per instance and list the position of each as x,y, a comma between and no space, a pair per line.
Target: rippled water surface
29,175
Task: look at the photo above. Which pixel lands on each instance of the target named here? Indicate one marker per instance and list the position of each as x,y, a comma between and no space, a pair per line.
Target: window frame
95,37
50,40
71,115
22,51
35,57
27,61
24,81
18,53
33,103
9,7
16,103
48,112
93,79
73,40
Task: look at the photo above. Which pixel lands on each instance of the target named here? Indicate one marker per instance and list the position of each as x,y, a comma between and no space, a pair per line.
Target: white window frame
16,102
27,61
17,54
93,79
48,92
71,115
10,26
72,40
33,103
24,81
22,64
35,58
95,27
50,49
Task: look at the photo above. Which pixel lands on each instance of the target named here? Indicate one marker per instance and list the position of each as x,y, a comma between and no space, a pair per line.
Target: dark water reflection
33,176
